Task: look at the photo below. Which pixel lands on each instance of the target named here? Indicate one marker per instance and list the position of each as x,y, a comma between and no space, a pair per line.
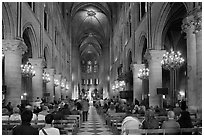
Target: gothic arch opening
172,38
27,81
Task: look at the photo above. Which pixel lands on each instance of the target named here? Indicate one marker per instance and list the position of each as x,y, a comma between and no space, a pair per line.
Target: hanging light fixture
144,73
27,70
56,82
45,77
63,83
67,86
172,60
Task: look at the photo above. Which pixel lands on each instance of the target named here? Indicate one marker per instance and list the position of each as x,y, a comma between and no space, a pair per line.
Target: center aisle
94,125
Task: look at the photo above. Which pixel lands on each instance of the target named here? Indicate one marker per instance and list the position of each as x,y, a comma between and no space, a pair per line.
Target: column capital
37,63
14,45
51,71
58,76
137,66
154,55
193,21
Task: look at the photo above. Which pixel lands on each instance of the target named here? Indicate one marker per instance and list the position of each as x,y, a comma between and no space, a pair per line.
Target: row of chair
181,131
69,125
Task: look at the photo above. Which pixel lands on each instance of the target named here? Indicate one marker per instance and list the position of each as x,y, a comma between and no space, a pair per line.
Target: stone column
58,88
13,50
155,76
50,85
198,33
137,83
37,83
189,28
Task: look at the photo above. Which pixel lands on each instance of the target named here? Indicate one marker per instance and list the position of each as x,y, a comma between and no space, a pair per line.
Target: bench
180,131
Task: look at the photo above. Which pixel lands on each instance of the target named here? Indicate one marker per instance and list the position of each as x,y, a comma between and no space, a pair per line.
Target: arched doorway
145,82
176,80
27,81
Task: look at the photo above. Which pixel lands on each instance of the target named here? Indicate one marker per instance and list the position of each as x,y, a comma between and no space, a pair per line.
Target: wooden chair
77,118
5,127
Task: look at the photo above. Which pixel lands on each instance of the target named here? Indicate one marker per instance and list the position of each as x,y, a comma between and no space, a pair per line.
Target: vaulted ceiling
91,27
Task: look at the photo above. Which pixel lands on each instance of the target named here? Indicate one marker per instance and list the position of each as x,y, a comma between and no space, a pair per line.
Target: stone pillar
50,85
155,76
58,88
189,28
137,83
13,50
198,32
37,83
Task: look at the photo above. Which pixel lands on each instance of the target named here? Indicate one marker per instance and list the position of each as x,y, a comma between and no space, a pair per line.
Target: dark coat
25,129
185,120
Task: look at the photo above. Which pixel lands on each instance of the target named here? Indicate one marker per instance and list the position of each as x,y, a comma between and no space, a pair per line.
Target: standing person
49,129
85,109
25,128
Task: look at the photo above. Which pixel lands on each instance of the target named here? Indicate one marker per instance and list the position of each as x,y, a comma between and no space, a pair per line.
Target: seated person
25,128
177,110
34,118
75,111
66,110
43,113
15,116
57,113
150,121
130,123
171,123
5,114
112,109
185,121
49,129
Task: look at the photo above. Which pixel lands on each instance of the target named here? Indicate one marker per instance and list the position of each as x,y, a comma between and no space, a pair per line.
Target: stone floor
94,125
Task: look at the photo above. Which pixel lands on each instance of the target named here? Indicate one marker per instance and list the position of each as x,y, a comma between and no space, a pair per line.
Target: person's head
16,110
177,105
149,114
26,116
5,111
28,107
49,118
171,115
45,108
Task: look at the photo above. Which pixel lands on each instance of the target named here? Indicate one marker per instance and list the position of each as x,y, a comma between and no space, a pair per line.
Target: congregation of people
47,112
173,117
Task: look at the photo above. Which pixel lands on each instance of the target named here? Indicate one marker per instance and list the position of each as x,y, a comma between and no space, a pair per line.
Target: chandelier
172,60
118,85
56,82
45,77
143,73
27,70
62,85
67,86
